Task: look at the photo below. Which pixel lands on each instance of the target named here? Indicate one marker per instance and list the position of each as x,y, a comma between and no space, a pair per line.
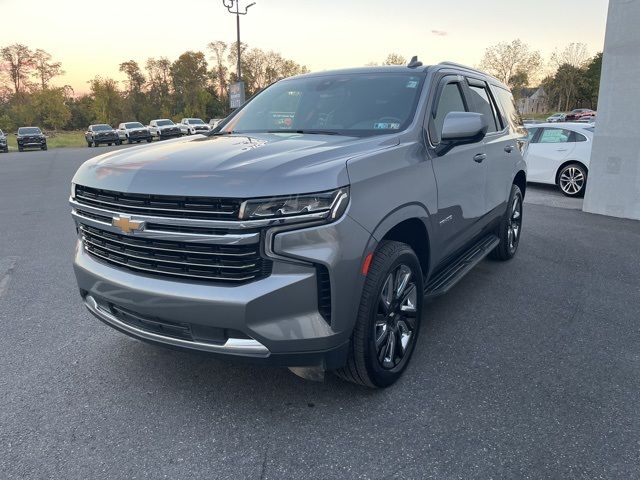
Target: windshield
196,121
347,104
133,125
101,128
29,131
160,123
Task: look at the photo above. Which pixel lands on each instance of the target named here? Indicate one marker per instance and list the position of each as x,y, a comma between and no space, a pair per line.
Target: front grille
204,208
194,261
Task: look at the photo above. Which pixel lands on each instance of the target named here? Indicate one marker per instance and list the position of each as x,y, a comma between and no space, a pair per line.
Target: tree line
196,84
570,77
193,85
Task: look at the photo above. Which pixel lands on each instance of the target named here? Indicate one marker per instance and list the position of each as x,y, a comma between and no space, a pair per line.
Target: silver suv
309,227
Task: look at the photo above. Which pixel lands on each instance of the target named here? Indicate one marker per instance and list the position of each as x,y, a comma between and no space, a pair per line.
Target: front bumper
165,134
274,320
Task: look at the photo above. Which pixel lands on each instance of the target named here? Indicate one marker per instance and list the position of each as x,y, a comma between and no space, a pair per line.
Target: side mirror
462,128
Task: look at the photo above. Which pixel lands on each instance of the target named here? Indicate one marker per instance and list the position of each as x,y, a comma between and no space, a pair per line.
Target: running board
445,280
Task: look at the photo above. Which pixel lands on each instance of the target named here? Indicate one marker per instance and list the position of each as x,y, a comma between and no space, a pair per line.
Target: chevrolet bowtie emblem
126,225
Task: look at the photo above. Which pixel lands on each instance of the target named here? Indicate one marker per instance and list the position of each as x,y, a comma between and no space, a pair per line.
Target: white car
191,126
133,132
162,128
557,117
559,154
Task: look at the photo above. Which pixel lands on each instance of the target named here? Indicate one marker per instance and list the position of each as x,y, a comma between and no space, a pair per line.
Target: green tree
190,74
159,87
395,59
50,108
17,64
135,98
506,60
106,107
44,69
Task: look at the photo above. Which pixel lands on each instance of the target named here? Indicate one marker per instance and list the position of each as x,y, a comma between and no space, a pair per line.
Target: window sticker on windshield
412,84
386,126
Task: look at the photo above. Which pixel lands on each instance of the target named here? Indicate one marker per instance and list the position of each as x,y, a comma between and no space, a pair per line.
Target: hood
244,166
162,127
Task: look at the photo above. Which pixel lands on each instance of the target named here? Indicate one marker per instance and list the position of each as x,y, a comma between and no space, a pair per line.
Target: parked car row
576,115
559,154
105,134
136,132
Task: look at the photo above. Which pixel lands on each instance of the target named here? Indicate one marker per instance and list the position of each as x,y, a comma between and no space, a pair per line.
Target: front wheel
510,228
149,140
388,319
44,147
572,180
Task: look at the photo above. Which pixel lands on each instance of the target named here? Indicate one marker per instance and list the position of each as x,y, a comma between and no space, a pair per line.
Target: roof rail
460,65
471,69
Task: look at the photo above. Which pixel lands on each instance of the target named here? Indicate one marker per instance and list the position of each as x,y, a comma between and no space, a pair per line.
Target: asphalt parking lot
527,369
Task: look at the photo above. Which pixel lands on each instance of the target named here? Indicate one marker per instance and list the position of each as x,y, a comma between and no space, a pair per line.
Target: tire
89,144
510,229
21,149
572,180
149,140
118,142
379,367
45,147
129,141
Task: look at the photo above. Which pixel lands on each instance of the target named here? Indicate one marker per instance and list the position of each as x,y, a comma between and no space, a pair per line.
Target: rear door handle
479,157
508,148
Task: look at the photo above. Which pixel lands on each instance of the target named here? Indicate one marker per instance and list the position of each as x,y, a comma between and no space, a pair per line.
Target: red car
578,113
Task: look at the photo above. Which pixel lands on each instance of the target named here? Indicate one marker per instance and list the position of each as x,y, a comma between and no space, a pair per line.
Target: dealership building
614,172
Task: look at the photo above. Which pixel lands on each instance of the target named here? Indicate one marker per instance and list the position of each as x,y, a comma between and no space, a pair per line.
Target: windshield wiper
306,132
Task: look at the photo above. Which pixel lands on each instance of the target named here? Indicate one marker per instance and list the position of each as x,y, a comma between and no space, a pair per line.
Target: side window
531,132
577,137
480,103
555,135
450,101
508,105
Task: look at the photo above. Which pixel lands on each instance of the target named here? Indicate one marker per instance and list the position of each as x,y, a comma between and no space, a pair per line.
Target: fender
393,218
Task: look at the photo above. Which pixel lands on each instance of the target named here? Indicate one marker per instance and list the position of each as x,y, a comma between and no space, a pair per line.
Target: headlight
327,206
73,190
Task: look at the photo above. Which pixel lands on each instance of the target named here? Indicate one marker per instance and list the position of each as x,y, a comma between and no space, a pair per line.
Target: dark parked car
31,137
101,133
578,114
3,143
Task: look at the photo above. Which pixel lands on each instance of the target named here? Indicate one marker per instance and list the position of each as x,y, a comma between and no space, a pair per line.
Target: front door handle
479,157
562,149
508,148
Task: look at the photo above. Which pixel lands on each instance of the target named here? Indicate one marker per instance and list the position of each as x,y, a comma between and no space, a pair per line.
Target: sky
92,38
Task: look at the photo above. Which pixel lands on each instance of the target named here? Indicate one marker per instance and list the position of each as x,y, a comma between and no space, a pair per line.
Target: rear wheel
388,320
510,227
572,180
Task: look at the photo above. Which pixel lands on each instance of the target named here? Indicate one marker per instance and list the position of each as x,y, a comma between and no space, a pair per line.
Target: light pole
230,4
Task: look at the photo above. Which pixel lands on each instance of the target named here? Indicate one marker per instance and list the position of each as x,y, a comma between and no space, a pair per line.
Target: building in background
613,187
533,100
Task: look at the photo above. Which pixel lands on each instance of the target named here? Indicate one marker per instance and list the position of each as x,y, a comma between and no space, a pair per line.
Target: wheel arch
569,162
408,224
521,181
